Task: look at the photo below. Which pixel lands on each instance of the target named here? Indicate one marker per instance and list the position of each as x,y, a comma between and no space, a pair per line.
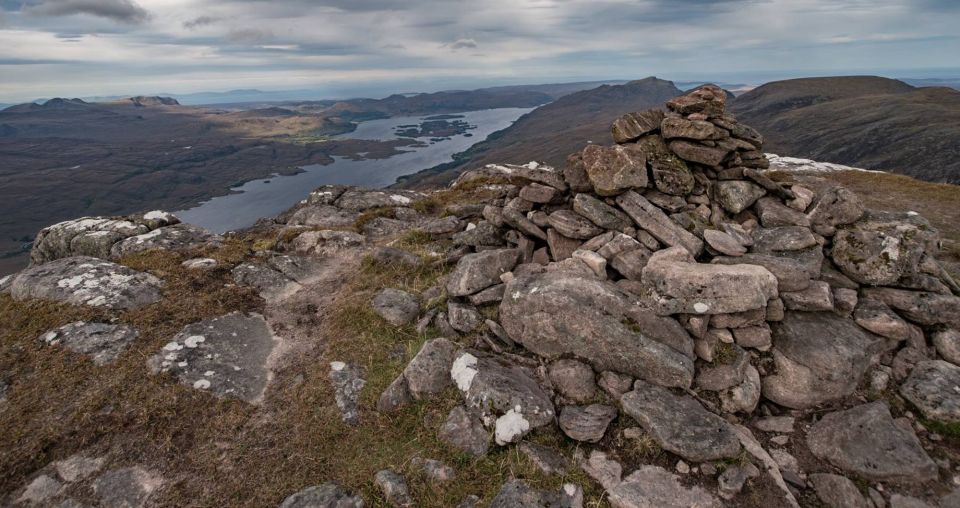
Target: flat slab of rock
178,236
679,424
130,486
657,223
921,307
683,286
397,307
323,216
87,236
225,355
476,272
504,391
819,357
327,495
838,491
102,342
934,387
882,247
562,313
655,487
428,373
614,169
348,383
865,440
88,281
464,430
517,494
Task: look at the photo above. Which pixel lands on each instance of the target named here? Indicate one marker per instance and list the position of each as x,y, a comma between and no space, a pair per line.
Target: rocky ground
661,323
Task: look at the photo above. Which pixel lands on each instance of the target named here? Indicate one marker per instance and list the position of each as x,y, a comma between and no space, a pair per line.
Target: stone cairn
669,278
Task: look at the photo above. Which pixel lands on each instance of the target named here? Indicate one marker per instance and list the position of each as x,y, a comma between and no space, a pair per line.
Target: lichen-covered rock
394,488
614,169
358,200
836,206
864,440
819,357
738,195
573,379
102,342
176,237
671,174
837,491
683,286
881,248
600,213
632,126
464,431
680,424
129,486
502,391
921,307
87,236
560,313
428,373
657,223
517,494
225,355
396,306
348,383
88,281
932,387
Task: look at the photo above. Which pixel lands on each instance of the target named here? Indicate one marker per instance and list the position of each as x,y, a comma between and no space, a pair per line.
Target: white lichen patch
201,384
337,366
172,346
511,427
193,341
463,371
403,200
471,226
700,307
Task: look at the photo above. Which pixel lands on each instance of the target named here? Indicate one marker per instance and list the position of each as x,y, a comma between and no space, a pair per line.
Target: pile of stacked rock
669,278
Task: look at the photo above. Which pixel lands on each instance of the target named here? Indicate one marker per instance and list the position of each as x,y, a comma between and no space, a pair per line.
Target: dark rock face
558,313
680,424
87,281
865,441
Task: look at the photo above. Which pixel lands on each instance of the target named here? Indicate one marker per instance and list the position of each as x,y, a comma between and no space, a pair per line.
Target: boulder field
774,342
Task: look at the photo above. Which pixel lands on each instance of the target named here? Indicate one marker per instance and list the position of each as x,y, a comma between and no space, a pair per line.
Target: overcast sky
104,47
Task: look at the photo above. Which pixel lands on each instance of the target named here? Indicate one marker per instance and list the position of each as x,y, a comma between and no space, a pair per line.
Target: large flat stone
865,441
88,281
820,356
102,342
679,424
683,286
934,387
657,223
559,313
476,272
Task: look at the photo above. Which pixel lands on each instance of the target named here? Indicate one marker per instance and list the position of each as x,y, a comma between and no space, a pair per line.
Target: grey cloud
124,11
249,36
462,44
200,21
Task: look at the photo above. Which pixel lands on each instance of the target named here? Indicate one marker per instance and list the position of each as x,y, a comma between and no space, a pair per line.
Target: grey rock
492,294
502,391
87,236
921,307
268,281
786,238
595,261
655,222
819,357
394,488
773,213
880,319
538,193
792,275
817,297
327,495
600,213
397,307
614,169
464,431
655,487
130,487
947,343
630,263
671,175
517,494
102,342
586,423
40,490
359,200
680,424
556,313
834,207
77,467
348,383
176,237
394,256
745,396
737,195
323,216
865,441
442,226
428,373
617,245
521,223
485,234
633,126
395,396
225,355
781,424
695,152
574,380
87,281
932,387
683,286
615,384
325,242
837,491
720,376
384,227
901,501
733,478
463,318
673,127
548,460
561,247
476,272
199,264
757,337
724,243
435,470
471,501
881,248
573,225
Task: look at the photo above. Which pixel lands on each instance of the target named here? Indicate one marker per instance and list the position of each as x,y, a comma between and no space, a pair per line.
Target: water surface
271,196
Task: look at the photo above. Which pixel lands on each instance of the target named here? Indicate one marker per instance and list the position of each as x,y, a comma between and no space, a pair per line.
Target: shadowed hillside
862,121
552,132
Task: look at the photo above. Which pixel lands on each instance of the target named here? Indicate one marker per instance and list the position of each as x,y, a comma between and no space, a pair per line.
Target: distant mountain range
869,122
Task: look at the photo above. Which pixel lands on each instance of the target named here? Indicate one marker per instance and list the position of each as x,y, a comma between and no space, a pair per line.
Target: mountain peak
147,101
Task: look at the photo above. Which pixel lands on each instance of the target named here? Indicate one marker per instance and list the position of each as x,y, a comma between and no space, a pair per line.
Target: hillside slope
869,122
551,132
